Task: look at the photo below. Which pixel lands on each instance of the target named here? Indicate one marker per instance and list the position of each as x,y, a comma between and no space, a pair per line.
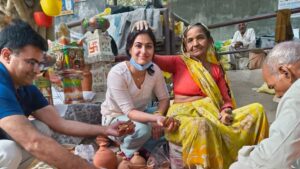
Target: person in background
131,86
21,140
212,129
243,38
281,150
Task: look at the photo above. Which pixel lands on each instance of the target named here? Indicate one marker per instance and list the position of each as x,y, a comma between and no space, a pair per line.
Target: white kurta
248,38
240,60
282,149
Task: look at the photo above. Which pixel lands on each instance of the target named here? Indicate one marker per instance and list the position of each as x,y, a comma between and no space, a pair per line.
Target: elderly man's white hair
282,54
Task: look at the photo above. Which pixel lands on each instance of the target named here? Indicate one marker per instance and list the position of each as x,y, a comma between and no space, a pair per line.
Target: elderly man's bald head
285,53
282,66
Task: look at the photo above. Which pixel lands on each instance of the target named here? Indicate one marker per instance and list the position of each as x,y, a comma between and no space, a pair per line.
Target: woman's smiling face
196,42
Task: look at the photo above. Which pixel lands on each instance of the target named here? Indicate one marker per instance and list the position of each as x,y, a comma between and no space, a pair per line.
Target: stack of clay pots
104,157
136,162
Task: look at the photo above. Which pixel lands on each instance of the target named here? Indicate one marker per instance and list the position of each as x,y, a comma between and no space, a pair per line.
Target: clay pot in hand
119,157
133,166
137,159
165,165
125,164
104,157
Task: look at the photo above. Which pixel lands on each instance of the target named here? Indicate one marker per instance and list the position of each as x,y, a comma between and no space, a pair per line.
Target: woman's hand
226,116
120,128
157,131
169,123
140,25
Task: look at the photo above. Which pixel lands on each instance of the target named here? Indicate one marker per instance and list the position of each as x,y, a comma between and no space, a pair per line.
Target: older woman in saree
212,129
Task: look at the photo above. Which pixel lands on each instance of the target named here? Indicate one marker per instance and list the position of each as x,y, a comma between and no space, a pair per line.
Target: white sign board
289,4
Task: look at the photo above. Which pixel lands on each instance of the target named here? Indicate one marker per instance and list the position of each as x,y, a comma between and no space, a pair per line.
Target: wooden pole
254,18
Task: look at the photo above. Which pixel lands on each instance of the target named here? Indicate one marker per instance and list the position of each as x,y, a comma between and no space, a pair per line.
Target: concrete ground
242,84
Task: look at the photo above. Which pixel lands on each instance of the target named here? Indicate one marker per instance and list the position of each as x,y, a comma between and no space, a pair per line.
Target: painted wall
85,9
219,11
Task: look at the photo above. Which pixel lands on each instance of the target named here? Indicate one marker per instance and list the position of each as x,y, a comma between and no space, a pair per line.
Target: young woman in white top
131,86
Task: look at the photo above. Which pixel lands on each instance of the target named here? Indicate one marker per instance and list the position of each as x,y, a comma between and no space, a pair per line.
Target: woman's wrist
227,109
158,113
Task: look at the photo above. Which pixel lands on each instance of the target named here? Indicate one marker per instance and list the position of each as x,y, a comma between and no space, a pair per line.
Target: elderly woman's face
142,50
196,42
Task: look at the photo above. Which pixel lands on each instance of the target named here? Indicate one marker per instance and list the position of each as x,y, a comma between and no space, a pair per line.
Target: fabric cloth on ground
281,149
256,59
283,30
265,89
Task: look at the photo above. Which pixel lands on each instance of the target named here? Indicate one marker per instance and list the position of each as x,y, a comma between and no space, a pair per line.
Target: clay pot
87,80
125,164
151,162
119,157
104,157
165,165
133,166
137,159
101,139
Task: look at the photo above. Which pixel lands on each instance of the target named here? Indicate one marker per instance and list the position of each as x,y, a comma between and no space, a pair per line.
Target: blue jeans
141,138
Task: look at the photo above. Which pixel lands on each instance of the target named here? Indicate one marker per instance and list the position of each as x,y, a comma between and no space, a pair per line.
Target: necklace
196,59
205,64
138,78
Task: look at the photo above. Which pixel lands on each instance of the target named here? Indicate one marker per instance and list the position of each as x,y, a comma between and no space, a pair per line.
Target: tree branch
20,7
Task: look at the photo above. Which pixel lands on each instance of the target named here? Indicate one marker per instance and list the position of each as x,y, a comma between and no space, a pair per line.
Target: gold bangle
158,112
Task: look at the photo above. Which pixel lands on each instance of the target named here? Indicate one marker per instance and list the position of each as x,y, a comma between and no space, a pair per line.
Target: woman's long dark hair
130,40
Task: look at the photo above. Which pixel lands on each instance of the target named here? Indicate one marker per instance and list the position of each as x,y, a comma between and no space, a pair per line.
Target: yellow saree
205,141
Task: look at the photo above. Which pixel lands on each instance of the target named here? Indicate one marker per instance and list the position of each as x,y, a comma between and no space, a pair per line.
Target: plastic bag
159,157
85,151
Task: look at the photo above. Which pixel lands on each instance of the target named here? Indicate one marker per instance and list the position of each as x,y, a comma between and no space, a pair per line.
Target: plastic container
44,85
72,87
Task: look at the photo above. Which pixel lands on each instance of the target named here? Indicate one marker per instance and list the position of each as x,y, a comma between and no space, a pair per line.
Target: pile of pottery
136,162
106,158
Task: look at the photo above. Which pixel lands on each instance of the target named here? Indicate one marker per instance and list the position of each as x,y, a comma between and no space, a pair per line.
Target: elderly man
282,149
243,38
21,59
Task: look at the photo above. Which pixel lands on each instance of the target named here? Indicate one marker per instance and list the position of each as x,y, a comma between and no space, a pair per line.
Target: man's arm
50,116
42,147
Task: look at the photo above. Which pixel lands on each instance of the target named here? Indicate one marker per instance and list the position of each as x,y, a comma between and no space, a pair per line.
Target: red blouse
183,82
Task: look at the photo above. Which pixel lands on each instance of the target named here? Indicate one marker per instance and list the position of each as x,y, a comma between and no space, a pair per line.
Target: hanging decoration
51,7
42,20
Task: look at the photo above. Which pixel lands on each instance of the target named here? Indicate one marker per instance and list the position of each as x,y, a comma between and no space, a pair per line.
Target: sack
256,59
